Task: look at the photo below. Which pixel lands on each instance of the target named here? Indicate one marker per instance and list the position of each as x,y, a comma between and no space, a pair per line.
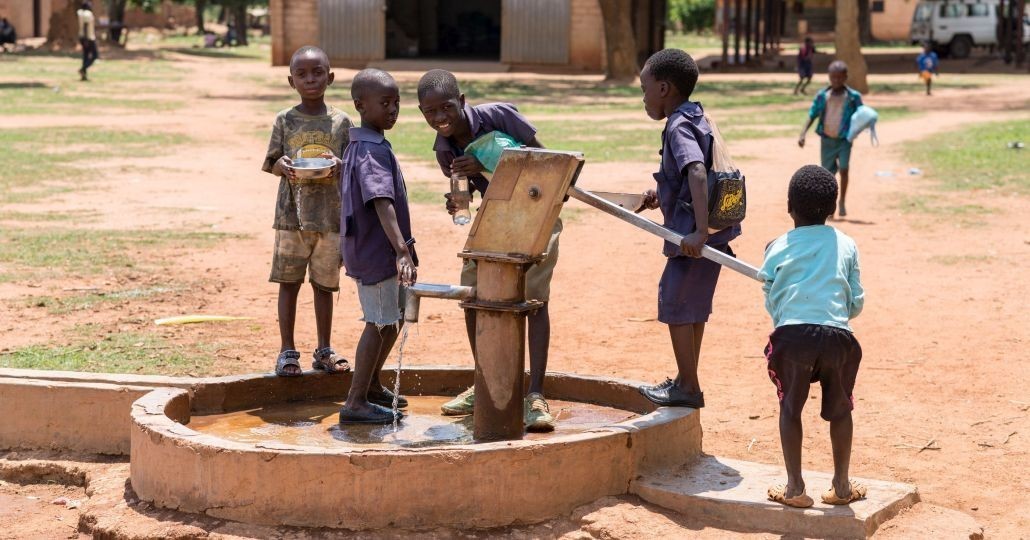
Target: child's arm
406,271
804,131
697,180
857,292
817,109
276,161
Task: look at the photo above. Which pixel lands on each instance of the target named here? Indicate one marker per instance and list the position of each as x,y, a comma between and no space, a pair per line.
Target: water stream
397,375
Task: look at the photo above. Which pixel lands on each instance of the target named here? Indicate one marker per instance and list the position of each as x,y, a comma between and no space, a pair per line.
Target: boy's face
379,106
837,79
442,112
310,75
655,93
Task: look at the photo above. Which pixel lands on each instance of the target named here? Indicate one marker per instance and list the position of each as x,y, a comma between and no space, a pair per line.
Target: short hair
837,66
438,80
309,49
812,193
676,67
368,79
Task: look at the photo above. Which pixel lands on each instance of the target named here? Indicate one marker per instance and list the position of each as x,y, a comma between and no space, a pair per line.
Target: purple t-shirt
687,139
483,119
370,171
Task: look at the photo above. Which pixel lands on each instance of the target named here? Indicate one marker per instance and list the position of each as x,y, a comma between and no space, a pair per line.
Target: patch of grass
797,116
690,41
976,157
79,216
965,215
124,352
964,260
37,162
571,215
258,48
60,305
80,252
425,193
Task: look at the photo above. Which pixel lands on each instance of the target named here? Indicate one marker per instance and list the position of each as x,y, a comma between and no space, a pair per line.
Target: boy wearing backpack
688,284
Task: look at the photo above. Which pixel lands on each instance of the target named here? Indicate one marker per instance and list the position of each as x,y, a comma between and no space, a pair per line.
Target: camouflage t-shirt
308,205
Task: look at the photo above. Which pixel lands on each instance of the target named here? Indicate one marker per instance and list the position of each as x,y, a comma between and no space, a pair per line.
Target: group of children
359,214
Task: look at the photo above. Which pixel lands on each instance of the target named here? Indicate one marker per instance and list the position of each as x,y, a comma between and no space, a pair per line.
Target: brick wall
586,35
294,24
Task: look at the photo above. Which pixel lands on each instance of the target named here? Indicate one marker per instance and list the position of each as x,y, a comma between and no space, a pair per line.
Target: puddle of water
314,423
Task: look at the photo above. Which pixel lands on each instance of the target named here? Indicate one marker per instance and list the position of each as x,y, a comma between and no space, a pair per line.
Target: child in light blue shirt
812,290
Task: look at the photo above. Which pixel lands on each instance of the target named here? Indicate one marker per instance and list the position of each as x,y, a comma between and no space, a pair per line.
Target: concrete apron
463,486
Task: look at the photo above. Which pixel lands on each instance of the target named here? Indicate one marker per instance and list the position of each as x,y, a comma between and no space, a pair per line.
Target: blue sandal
286,359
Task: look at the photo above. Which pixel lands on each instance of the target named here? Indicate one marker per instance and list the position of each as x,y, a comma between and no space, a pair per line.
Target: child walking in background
378,249
833,106
927,63
307,211
688,284
457,124
806,57
812,290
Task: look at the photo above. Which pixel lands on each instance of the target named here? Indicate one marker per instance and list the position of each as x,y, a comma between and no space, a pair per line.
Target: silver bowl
311,168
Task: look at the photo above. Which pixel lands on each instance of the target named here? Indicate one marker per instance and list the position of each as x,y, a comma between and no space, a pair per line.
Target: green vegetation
964,260
427,193
78,216
258,48
38,162
692,41
85,251
60,305
691,15
124,352
977,157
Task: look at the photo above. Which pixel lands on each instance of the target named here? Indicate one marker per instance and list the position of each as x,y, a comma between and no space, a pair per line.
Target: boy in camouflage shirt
307,211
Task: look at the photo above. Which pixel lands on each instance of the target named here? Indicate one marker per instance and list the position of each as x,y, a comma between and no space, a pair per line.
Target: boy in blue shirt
688,283
927,63
812,289
833,106
377,246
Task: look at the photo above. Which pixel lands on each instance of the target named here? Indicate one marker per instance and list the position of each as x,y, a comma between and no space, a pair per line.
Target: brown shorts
538,278
801,354
316,252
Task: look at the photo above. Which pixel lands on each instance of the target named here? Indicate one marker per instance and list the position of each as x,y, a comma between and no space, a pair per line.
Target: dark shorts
805,68
801,354
835,154
686,289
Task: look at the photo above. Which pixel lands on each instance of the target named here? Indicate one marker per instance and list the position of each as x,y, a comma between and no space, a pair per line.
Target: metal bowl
311,168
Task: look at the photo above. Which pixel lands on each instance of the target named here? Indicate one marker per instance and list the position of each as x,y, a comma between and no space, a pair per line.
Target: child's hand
650,200
451,206
285,165
693,242
466,165
337,162
406,272
801,141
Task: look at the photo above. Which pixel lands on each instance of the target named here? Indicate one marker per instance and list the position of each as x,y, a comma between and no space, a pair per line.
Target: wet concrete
314,423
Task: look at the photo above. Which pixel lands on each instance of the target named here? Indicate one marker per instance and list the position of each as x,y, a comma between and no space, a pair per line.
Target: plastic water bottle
461,197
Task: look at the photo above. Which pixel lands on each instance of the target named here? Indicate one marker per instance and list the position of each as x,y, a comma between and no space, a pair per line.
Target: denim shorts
381,303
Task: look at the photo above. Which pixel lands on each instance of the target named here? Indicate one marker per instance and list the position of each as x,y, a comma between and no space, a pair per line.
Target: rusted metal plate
353,29
523,202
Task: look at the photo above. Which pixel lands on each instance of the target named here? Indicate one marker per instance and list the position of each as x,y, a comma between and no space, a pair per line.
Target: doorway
443,29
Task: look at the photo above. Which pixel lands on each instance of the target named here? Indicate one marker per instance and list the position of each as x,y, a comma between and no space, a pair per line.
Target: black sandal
286,359
328,361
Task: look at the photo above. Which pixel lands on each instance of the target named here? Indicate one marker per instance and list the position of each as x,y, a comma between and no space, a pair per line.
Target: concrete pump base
462,486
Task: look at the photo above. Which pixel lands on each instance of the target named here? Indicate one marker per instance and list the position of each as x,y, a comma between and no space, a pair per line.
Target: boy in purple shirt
457,124
377,246
687,285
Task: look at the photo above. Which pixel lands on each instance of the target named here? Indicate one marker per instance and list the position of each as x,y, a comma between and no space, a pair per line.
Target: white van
957,26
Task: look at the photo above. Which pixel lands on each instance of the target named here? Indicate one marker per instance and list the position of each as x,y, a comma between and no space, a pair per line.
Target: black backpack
727,196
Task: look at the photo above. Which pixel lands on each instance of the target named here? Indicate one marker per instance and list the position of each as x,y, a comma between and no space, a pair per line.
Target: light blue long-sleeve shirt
811,277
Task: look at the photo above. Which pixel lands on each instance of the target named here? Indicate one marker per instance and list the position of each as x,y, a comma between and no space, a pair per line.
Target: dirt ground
940,398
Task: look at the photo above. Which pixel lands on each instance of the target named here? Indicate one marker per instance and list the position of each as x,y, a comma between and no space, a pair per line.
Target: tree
64,28
619,41
849,47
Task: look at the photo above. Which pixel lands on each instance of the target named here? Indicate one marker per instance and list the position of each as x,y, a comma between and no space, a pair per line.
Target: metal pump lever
628,216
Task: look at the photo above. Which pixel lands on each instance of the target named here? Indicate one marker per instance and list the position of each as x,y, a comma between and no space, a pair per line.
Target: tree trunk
240,16
849,48
619,42
199,6
64,28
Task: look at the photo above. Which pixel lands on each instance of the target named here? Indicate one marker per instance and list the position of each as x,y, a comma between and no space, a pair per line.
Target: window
952,11
877,6
923,12
979,10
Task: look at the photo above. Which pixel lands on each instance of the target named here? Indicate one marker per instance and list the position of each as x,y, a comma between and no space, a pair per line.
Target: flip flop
378,415
858,492
778,493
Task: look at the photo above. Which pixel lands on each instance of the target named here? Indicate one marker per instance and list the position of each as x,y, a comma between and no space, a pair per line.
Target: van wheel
960,47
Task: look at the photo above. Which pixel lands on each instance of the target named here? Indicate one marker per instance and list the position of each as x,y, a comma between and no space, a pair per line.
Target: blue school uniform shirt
483,119
370,171
811,276
852,101
927,62
687,139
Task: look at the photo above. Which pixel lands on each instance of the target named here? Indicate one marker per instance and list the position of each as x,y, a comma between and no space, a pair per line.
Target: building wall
19,13
893,24
586,36
294,24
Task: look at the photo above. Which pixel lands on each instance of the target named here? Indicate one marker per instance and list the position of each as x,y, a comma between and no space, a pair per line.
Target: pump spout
432,290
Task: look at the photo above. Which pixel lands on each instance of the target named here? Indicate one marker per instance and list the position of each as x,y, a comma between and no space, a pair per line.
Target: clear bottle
461,197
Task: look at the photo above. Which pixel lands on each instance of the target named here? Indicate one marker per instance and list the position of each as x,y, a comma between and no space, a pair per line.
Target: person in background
806,55
87,37
927,63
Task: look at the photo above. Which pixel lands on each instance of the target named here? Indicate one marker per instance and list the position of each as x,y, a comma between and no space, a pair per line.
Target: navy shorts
686,289
805,69
801,354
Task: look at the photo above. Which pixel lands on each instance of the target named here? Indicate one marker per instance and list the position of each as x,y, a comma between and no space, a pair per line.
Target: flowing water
314,423
397,376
